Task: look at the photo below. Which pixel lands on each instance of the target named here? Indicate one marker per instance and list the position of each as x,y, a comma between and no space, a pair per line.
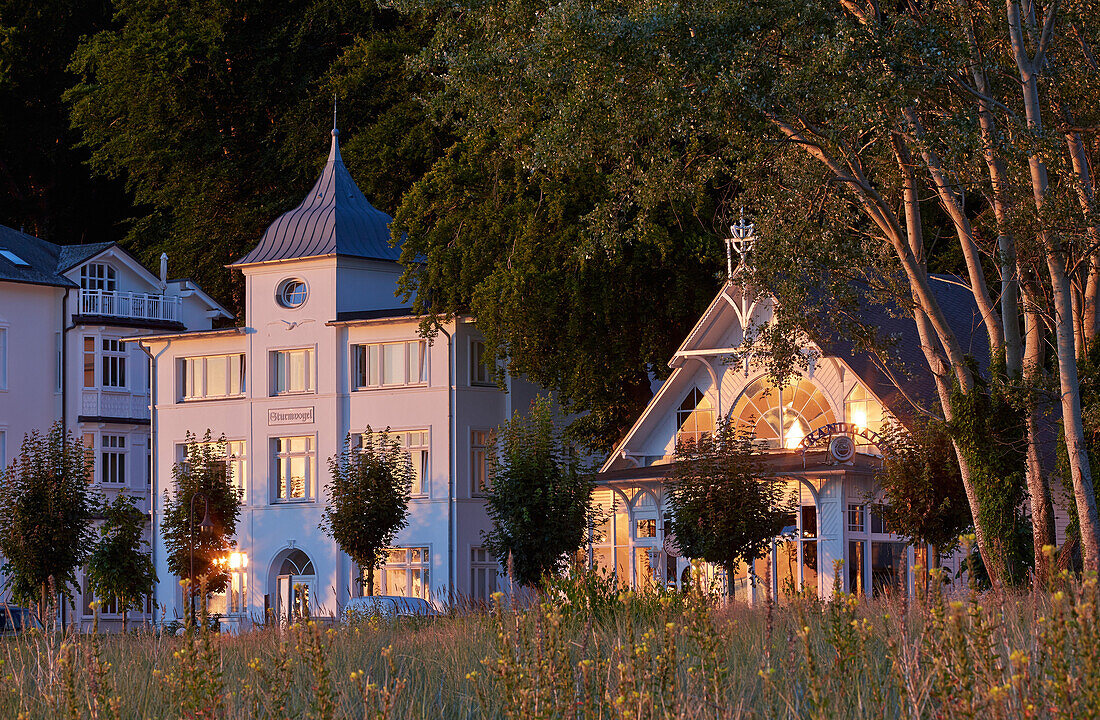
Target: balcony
116,405
130,305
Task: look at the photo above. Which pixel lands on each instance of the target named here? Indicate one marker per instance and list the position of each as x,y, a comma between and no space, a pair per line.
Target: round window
292,293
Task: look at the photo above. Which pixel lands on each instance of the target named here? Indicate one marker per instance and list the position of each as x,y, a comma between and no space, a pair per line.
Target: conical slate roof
334,219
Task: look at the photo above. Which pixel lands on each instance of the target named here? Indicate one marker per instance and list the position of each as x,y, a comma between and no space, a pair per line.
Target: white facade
64,313
325,350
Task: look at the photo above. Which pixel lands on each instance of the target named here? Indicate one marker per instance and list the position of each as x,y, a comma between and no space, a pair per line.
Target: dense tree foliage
922,496
46,509
538,497
46,186
119,566
368,498
203,475
725,507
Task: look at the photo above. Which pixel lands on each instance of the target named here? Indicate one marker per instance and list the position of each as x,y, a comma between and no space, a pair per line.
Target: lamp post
206,527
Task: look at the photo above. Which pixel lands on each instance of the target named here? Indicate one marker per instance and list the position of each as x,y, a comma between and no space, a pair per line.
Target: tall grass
585,654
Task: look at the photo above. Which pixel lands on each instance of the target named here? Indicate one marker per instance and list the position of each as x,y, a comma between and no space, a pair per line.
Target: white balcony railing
114,404
138,306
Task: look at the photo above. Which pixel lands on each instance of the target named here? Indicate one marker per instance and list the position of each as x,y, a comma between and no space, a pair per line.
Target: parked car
14,620
385,607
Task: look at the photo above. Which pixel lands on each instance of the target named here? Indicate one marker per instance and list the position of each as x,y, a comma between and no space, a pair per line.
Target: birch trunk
1080,471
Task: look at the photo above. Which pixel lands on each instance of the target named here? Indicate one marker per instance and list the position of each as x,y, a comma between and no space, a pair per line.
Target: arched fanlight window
695,418
782,416
297,563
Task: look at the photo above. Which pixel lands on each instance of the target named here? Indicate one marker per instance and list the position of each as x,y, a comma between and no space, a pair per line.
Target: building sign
841,428
290,416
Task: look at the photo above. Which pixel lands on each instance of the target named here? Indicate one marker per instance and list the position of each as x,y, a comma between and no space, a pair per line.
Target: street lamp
206,527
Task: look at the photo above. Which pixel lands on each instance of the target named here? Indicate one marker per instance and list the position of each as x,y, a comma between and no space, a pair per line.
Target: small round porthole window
292,293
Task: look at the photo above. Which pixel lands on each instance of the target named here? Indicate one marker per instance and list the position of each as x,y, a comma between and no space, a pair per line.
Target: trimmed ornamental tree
46,508
538,497
204,473
923,496
120,567
725,509
368,498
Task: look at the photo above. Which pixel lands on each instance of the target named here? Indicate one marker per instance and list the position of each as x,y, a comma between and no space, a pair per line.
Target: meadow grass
597,655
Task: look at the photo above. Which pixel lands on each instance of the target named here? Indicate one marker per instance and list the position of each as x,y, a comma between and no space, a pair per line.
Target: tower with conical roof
331,254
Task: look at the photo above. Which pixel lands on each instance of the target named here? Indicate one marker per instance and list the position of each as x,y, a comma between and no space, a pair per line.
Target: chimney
163,272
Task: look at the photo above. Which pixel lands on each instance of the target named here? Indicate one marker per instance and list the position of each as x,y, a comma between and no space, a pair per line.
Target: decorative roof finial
334,130
742,236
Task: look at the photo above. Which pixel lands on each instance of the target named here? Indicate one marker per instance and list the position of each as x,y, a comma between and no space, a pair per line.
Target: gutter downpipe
452,564
154,467
64,387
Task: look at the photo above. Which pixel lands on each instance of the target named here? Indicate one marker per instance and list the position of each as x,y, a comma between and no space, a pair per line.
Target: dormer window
292,293
98,276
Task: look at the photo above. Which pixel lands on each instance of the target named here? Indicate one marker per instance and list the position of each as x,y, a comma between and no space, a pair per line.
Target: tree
46,509
922,493
538,497
368,498
877,126
725,509
118,567
46,185
202,485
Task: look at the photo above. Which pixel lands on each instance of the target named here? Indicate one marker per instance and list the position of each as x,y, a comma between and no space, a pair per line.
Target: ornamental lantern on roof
740,241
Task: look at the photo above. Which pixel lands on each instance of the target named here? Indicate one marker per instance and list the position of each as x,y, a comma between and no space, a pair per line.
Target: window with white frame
233,600
390,364
481,443
98,276
236,464
484,575
292,371
3,358
404,573
294,467
113,363
212,376
481,365
416,443
113,459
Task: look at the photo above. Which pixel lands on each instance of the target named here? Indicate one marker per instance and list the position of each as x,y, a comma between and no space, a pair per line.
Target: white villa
65,312
821,431
324,351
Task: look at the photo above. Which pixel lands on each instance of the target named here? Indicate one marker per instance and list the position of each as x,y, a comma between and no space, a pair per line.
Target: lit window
404,573
98,276
390,364
481,442
292,371
415,443
783,416
646,528
294,468
212,376
481,365
695,418
89,362
234,599
855,518
292,293
114,363
113,459
865,411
